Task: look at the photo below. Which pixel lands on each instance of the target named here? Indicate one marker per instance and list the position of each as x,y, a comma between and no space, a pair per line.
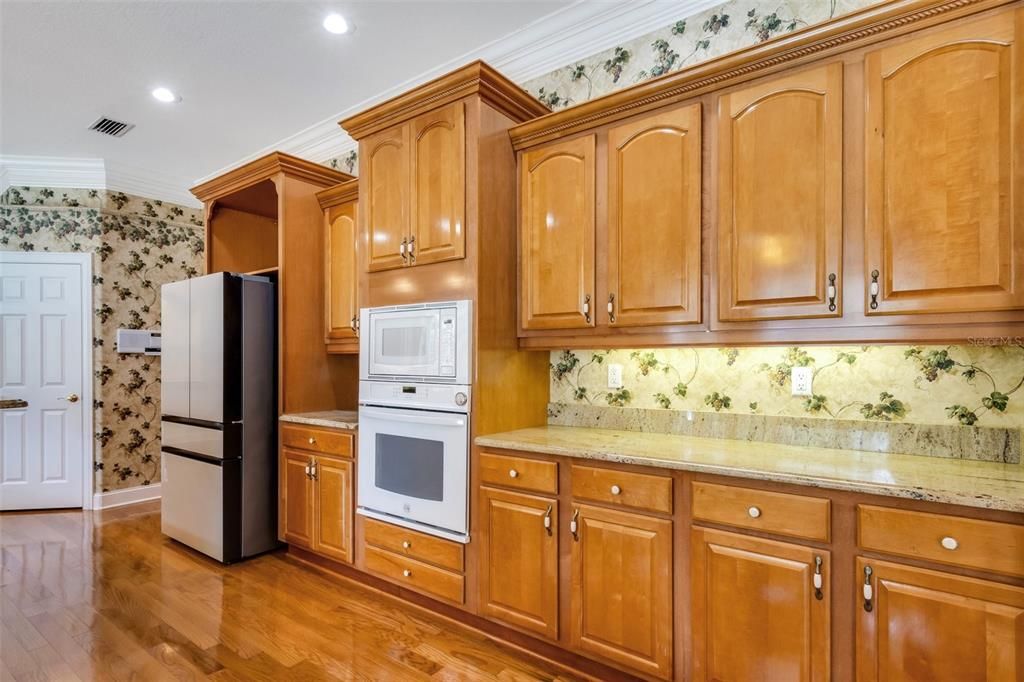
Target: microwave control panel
446,344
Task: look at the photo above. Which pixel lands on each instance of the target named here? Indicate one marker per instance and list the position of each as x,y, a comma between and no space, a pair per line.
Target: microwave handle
414,419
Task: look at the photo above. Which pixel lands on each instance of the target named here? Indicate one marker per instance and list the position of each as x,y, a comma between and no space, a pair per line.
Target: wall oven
427,342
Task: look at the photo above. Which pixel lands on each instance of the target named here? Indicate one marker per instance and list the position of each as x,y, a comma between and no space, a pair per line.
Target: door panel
342,277
174,342
519,560
929,625
297,503
192,504
557,235
206,348
386,167
622,589
944,193
654,189
756,615
42,444
780,153
333,489
438,185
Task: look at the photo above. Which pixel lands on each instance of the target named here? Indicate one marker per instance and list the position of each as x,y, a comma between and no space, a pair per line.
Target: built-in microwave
420,342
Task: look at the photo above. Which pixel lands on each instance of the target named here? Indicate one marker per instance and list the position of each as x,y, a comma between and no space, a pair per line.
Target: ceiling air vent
109,126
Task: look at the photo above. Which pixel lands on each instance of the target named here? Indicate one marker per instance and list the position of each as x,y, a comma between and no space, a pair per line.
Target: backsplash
137,244
966,385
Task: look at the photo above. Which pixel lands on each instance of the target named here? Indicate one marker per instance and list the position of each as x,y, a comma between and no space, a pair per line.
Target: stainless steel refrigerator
218,404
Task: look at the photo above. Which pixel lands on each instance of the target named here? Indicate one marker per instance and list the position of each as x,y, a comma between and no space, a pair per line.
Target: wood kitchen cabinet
519,559
333,489
756,611
416,190
297,515
944,173
341,280
780,197
654,190
556,238
921,624
621,591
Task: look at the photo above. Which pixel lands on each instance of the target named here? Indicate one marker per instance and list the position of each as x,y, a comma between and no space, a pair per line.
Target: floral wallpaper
968,385
137,244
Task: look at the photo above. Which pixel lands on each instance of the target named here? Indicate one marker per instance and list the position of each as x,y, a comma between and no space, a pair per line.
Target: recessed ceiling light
335,23
165,95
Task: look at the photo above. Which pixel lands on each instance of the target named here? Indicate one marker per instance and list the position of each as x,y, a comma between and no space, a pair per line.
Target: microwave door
405,343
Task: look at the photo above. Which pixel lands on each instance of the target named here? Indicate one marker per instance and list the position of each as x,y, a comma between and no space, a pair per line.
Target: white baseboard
119,498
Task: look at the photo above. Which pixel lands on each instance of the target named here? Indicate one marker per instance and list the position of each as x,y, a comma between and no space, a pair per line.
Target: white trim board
575,32
74,173
125,496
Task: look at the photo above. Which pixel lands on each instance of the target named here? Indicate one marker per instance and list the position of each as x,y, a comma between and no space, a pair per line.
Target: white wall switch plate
801,380
614,375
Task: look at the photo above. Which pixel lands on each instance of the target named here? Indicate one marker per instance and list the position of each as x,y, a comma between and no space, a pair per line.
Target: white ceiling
256,75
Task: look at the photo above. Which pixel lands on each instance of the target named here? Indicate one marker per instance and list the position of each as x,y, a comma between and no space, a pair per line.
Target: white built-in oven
427,342
414,456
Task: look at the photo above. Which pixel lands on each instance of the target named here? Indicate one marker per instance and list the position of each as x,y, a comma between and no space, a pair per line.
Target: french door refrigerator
218,406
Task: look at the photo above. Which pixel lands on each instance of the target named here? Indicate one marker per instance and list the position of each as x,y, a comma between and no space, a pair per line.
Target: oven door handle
390,415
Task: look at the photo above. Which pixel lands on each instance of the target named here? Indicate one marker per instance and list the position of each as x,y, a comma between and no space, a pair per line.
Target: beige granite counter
332,419
971,483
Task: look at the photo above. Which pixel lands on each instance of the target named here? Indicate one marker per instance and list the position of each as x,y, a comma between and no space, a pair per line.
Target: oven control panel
447,397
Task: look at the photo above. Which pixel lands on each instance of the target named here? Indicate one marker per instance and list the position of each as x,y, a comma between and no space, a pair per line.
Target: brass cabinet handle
547,520
818,580
832,292
873,289
402,250
611,308
586,308
574,525
352,324
312,469
412,249
309,471
868,591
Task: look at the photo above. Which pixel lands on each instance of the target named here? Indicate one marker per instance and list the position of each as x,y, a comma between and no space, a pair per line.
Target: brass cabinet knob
512,473
754,512
406,544
407,573
616,490
312,440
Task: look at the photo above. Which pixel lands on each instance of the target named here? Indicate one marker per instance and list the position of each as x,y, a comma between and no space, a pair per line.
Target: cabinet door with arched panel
438,187
386,200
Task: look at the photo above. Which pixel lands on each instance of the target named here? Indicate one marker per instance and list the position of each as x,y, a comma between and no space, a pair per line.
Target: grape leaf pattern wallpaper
137,244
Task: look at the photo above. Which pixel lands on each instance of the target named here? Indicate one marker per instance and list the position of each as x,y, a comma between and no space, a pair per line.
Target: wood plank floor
104,596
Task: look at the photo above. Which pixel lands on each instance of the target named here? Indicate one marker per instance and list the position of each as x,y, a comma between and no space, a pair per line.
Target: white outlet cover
801,378
614,375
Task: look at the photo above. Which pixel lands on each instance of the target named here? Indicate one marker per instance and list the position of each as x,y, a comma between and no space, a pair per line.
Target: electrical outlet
614,375
801,378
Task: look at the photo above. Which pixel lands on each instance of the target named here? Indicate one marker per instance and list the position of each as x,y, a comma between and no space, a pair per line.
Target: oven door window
413,467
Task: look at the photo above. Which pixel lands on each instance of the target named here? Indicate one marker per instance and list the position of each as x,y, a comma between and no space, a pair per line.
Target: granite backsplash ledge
990,444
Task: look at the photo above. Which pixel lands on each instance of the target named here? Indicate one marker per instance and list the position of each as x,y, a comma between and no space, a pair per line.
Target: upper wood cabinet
944,170
556,240
931,625
438,146
736,581
385,169
780,197
341,276
654,190
622,588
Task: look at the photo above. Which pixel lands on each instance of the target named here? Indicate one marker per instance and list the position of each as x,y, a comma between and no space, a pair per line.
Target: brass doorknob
71,397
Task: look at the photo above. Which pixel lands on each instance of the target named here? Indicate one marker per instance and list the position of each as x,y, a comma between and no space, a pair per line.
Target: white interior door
43,342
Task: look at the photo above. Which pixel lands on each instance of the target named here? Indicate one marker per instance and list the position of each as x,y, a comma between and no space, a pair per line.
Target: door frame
84,261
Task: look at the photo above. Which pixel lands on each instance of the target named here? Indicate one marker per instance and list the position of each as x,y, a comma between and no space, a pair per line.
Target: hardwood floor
105,596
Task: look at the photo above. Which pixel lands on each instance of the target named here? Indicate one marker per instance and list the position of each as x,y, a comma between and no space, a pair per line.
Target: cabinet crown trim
265,168
341,193
476,78
847,32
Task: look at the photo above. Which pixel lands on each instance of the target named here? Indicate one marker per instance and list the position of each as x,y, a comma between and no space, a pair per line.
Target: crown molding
338,194
78,173
266,168
579,30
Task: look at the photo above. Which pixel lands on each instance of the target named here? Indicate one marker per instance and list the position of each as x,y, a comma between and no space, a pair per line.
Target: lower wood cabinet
519,551
919,624
316,503
621,596
757,612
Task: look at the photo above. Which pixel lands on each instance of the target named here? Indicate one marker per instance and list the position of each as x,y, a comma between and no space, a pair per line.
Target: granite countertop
333,419
965,482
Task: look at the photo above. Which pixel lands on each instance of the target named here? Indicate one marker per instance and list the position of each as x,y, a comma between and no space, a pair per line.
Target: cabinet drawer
415,574
955,540
317,440
413,544
519,472
623,488
796,516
